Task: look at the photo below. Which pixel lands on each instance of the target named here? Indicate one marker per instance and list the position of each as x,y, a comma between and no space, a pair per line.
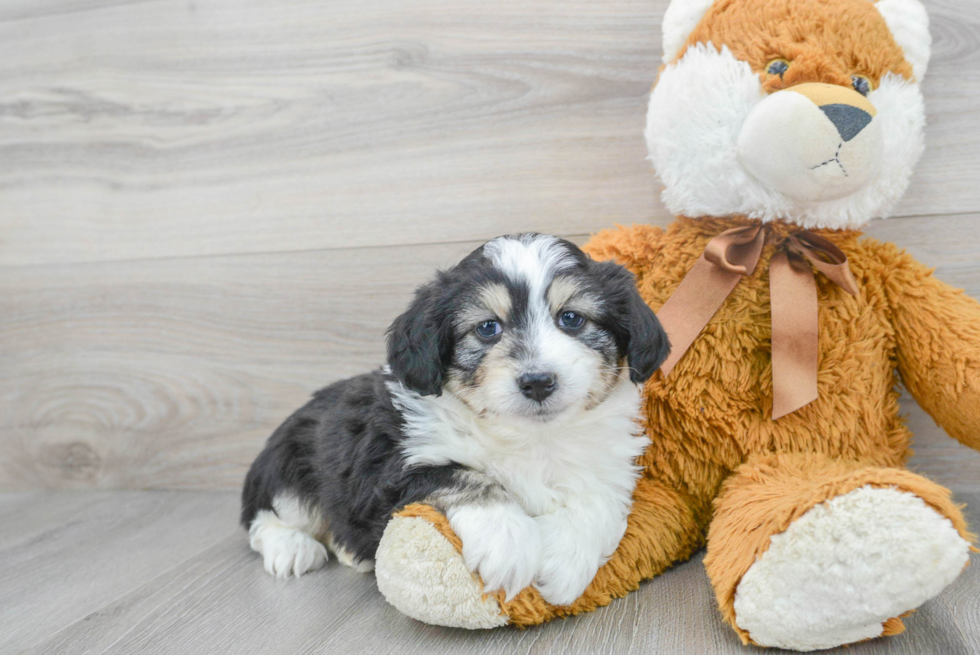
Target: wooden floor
210,208
170,572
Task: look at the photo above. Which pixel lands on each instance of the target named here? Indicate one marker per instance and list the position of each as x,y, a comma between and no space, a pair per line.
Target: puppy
509,403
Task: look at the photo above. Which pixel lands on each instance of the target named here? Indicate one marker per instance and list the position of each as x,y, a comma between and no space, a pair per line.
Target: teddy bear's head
804,110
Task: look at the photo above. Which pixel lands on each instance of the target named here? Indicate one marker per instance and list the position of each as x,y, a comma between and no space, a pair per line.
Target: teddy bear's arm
937,330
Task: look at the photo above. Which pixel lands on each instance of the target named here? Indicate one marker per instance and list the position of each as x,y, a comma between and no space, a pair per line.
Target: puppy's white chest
588,460
543,483
569,468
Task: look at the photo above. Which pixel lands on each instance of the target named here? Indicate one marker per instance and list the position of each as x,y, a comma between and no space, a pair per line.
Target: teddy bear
778,128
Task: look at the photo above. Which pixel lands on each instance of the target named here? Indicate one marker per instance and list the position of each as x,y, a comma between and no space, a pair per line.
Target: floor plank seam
260,253
356,247
75,10
116,599
177,592
961,633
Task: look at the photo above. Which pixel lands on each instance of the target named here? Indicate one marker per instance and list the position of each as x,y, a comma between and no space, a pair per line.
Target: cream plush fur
909,24
845,567
421,574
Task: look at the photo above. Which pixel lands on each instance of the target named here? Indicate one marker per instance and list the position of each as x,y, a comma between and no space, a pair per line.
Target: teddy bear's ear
681,18
909,24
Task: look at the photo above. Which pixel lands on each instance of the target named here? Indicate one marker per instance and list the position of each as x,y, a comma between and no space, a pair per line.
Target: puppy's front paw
570,558
561,581
500,542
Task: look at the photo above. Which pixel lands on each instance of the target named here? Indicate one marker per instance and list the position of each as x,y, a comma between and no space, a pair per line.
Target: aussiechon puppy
509,402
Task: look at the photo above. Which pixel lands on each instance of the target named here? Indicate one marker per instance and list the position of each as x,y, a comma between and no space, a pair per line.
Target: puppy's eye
777,67
861,84
571,320
489,329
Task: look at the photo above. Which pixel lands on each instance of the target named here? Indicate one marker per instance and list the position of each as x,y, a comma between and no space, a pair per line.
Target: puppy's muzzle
812,142
537,386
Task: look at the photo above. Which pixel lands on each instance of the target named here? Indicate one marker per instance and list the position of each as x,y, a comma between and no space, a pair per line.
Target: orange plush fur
809,34
719,470
713,441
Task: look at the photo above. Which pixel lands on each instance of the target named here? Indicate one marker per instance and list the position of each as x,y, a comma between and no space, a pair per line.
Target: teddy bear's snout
812,141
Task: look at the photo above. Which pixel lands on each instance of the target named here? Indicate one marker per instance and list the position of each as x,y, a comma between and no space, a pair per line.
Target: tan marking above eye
496,298
562,290
566,294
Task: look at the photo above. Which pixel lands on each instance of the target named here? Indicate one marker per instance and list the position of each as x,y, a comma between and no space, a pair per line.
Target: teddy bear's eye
777,67
861,84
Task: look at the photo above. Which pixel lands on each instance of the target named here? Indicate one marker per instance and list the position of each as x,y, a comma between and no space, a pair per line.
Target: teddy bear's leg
807,552
420,568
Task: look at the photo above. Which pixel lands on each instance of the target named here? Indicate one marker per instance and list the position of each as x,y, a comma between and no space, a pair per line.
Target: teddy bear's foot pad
423,576
845,567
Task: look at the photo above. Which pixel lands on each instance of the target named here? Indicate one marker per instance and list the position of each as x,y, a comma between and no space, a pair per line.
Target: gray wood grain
171,373
63,555
962,597
34,512
22,10
158,129
221,600
937,456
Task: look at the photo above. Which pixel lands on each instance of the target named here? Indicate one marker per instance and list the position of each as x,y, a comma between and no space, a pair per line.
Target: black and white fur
523,432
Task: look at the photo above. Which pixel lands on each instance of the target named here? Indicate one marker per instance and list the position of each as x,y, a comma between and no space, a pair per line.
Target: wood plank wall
210,208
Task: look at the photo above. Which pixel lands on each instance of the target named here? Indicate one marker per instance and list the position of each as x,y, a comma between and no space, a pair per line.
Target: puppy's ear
639,334
649,346
415,352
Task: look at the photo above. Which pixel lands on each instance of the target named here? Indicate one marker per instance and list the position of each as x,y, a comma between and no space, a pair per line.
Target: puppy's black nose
537,386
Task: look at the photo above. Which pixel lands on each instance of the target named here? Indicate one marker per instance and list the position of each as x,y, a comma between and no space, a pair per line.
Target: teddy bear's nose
848,119
848,110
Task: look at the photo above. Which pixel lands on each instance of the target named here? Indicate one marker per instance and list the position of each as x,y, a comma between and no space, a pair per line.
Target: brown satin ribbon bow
792,293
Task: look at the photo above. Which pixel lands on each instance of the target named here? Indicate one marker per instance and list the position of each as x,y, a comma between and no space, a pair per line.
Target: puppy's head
526,326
